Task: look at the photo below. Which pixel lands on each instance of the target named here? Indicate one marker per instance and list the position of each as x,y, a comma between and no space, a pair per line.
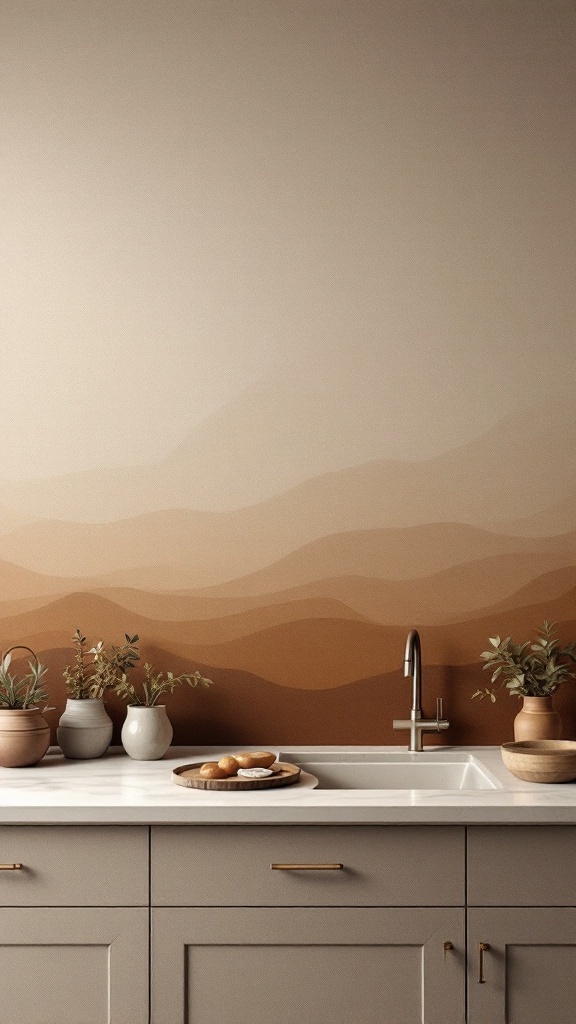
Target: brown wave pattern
98,615
455,593
244,709
549,591
559,517
194,548
237,459
429,574
298,606
327,654
118,555
443,597
314,651
296,629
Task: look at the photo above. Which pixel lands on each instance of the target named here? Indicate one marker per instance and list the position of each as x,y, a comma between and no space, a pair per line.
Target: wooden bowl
541,760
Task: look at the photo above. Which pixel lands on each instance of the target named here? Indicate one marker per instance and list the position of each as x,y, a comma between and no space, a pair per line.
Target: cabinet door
326,966
529,971
73,966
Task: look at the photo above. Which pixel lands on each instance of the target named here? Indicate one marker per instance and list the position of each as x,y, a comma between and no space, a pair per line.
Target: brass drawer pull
10,867
483,947
307,867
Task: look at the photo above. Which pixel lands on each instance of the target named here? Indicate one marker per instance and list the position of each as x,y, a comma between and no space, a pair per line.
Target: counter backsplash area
240,709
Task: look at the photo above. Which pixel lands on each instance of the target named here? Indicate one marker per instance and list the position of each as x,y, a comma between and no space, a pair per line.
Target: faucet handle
441,723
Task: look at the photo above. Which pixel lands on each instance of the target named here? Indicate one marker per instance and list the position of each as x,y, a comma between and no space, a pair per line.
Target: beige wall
288,357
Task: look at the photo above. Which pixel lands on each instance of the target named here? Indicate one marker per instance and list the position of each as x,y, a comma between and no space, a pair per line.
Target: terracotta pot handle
21,647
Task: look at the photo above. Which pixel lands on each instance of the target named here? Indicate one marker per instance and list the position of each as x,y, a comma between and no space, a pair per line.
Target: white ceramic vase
85,730
147,732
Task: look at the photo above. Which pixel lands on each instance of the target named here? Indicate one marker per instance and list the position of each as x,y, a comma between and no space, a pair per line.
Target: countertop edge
114,790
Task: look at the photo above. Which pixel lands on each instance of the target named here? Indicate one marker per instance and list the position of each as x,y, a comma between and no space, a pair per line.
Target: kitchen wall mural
289,357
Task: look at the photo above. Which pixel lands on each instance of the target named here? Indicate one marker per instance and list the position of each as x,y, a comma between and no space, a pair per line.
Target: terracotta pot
537,720
85,729
24,737
147,732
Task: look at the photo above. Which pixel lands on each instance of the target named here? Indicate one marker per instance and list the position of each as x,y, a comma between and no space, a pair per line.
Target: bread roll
265,758
255,759
212,770
229,765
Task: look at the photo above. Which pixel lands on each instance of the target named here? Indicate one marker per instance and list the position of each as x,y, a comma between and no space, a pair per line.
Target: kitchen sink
450,770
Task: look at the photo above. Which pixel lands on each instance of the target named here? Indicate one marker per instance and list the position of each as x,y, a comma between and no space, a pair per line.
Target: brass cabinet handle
306,867
483,947
448,947
10,867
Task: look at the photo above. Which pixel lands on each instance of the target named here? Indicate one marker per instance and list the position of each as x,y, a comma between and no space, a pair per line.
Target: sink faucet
417,724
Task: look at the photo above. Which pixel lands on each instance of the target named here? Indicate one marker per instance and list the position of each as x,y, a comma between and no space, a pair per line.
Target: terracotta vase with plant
533,670
147,732
24,733
85,728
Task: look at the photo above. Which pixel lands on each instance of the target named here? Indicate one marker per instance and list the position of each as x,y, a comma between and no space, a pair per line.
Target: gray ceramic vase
85,730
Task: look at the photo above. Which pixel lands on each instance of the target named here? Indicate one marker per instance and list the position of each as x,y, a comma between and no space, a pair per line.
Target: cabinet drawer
390,865
74,866
522,865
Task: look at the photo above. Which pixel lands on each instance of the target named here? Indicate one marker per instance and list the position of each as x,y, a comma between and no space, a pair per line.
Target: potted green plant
532,670
24,733
85,728
147,732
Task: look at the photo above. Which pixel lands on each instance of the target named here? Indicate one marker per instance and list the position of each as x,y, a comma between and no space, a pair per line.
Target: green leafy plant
24,693
99,668
155,684
535,668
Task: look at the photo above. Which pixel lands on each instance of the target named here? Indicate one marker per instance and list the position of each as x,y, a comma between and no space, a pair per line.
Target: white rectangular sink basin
449,771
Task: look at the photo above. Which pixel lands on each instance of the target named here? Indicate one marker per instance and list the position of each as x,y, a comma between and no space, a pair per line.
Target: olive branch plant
155,684
99,668
535,668
25,693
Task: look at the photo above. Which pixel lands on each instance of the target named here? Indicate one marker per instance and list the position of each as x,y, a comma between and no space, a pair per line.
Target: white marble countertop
115,789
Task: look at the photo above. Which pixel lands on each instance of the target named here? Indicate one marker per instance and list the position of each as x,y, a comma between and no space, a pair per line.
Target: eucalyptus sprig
27,692
535,668
99,668
155,684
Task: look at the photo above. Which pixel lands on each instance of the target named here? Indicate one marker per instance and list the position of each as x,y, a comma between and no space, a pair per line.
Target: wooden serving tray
189,775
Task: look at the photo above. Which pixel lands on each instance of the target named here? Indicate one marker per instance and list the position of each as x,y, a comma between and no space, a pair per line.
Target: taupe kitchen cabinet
73,925
528,969
379,939
522,924
320,924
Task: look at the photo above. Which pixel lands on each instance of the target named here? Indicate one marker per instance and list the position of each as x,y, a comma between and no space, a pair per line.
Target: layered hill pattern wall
305,637
290,351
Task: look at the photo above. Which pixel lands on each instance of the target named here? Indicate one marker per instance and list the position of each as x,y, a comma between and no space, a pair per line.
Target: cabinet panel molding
72,965
327,965
522,865
529,971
